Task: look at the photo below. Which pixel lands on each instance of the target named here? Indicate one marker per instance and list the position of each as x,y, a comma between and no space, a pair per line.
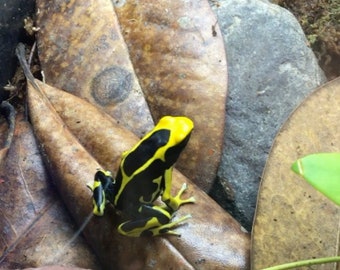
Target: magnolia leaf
178,61
293,220
322,171
34,223
182,68
82,51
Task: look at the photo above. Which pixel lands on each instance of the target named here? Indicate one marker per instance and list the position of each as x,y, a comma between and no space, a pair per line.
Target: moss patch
320,22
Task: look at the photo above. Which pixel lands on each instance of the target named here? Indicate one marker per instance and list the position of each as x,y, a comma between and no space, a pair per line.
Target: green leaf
322,171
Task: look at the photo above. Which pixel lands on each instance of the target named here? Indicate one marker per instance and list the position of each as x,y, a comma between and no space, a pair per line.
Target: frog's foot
176,202
166,229
153,220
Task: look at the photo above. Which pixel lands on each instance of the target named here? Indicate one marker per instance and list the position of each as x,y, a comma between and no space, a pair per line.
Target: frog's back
141,173
139,169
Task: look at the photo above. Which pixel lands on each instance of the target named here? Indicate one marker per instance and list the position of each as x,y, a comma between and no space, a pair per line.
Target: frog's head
180,127
102,188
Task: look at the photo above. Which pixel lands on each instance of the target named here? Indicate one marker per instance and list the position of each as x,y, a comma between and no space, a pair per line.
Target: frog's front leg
174,202
151,221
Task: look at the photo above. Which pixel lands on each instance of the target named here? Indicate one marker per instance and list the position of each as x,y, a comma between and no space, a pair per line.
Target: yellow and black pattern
144,174
102,189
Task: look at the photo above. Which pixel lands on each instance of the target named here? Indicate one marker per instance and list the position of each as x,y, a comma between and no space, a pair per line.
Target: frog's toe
183,188
190,200
179,194
181,191
173,233
166,229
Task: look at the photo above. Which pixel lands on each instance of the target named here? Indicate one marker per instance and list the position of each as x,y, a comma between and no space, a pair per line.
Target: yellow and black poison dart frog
144,174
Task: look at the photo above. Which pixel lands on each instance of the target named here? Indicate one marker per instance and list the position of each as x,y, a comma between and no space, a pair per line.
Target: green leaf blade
322,171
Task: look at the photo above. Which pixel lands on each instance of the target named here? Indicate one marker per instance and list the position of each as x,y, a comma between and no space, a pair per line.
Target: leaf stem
304,263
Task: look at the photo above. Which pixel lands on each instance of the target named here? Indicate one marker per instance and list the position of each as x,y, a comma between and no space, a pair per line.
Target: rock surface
271,70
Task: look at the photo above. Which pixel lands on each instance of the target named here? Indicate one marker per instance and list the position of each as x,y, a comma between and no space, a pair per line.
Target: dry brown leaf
293,220
181,65
82,51
178,59
33,221
211,239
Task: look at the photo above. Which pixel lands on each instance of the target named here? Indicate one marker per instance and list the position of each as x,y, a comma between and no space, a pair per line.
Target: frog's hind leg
151,221
166,228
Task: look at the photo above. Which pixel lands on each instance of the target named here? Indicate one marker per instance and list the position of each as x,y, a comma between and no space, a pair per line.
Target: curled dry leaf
179,61
293,220
33,220
81,50
211,239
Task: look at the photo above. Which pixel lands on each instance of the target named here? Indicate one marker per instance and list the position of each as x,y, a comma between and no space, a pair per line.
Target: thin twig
294,265
31,53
